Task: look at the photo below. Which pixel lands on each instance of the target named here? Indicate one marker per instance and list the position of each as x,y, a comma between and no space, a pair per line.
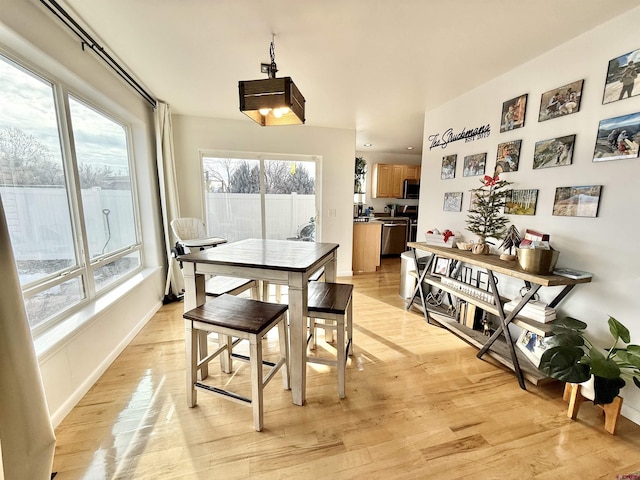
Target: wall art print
555,152
580,201
513,113
561,101
474,164
448,167
452,202
508,157
521,202
618,138
622,76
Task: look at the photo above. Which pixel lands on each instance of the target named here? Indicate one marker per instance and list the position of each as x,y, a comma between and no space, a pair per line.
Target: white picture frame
532,345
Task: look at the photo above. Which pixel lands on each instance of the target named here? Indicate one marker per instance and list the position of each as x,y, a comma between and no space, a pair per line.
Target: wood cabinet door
381,180
366,246
412,172
397,177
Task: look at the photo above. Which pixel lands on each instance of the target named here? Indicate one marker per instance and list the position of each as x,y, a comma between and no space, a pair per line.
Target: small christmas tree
485,217
511,240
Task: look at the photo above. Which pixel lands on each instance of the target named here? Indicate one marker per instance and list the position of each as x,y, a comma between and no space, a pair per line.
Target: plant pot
601,391
508,257
480,248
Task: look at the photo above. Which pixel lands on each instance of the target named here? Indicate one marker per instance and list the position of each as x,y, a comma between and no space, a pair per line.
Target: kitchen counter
366,246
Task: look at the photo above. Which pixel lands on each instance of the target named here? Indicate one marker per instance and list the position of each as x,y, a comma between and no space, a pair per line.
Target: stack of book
538,311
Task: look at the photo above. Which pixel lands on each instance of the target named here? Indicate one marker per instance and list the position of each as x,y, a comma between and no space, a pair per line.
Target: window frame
85,266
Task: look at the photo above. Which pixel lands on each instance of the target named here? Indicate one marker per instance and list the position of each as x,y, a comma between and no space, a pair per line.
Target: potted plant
485,217
360,170
571,357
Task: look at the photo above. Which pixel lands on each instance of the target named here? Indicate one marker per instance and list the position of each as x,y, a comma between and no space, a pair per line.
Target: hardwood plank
419,405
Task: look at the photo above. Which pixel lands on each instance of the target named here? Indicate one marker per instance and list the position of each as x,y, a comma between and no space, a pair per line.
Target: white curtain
26,433
168,192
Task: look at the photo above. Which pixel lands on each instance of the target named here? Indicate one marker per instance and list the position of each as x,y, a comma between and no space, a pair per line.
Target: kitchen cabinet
366,246
388,178
411,172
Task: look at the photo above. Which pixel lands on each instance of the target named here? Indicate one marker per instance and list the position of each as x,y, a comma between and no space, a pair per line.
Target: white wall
72,362
336,147
378,157
606,245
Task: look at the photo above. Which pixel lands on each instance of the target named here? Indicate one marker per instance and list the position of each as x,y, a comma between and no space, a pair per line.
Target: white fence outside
236,216
40,225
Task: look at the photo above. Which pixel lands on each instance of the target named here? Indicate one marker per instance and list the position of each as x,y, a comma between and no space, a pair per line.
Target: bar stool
219,285
331,303
242,319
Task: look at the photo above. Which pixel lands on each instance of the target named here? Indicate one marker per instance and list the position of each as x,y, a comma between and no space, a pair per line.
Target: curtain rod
88,41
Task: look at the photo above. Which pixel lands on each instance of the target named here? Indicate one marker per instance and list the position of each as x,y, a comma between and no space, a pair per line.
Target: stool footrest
223,393
322,361
245,358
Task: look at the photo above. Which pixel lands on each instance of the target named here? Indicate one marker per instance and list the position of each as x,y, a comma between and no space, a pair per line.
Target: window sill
50,340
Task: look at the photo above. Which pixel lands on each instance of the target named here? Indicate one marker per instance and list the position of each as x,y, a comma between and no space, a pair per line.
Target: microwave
411,189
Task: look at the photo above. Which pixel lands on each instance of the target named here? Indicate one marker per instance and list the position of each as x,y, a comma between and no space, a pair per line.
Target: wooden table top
286,255
495,264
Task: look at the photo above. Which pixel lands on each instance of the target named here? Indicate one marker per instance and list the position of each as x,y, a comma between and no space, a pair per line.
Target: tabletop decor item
571,357
511,240
485,217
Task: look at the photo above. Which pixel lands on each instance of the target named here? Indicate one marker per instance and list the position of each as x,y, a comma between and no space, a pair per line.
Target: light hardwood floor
419,405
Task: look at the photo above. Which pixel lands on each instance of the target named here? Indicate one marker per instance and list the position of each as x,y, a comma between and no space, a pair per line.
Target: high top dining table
282,262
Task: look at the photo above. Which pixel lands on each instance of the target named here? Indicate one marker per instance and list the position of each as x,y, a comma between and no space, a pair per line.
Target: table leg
194,295
298,336
330,269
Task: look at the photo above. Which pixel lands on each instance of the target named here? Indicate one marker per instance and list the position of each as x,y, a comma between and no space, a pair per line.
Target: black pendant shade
272,101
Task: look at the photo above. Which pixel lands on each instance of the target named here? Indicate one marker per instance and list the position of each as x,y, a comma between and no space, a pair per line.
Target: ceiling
371,65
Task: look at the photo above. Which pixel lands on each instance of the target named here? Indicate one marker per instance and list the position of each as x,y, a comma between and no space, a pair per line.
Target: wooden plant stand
575,398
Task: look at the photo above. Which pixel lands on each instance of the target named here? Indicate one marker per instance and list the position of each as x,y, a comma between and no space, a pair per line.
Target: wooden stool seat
331,303
219,285
243,319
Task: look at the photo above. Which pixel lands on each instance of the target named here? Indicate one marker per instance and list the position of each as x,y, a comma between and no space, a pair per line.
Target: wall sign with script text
449,136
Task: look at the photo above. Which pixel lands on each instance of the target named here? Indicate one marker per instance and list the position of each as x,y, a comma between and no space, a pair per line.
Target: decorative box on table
438,239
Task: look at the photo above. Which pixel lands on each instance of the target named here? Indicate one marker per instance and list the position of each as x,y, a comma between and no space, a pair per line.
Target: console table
504,352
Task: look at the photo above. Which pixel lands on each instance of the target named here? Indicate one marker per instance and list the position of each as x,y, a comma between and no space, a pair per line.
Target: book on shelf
531,236
534,310
572,273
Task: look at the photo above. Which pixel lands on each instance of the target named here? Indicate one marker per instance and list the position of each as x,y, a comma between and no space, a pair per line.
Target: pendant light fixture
272,101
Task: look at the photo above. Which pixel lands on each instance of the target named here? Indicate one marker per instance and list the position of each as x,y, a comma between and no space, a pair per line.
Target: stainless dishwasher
394,236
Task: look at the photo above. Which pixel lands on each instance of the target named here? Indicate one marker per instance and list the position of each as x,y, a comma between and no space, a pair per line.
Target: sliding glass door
260,196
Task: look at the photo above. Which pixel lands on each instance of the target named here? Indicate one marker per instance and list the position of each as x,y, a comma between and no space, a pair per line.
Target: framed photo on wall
560,101
622,77
521,202
580,201
448,167
532,345
554,152
513,113
508,156
474,164
452,202
618,138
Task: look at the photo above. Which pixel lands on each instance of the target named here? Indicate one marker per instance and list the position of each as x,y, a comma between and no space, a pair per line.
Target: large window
67,191
260,197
